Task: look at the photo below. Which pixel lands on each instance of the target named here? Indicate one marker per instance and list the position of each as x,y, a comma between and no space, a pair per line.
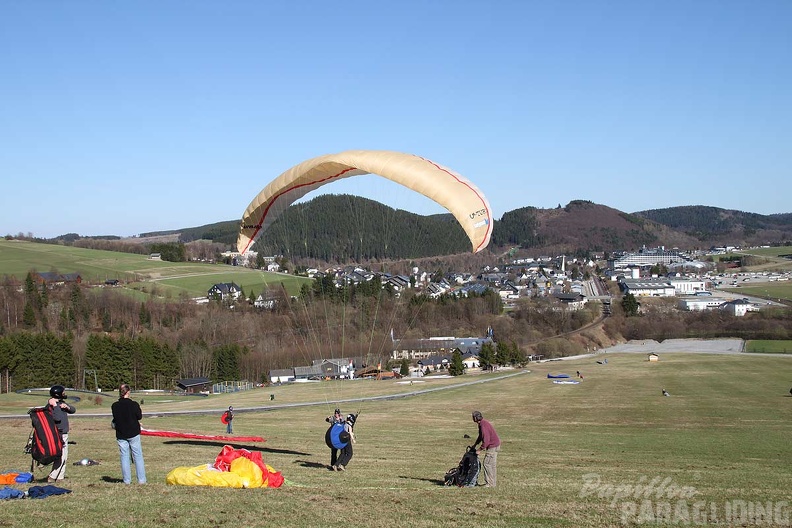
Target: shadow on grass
236,446
309,464
112,480
439,482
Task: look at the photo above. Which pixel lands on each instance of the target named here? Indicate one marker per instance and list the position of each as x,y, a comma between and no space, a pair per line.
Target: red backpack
45,443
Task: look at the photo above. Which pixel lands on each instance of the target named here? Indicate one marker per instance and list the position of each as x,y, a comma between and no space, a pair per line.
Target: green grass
769,346
776,291
724,432
140,276
768,251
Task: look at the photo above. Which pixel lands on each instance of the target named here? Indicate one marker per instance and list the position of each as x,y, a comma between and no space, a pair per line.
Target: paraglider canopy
454,192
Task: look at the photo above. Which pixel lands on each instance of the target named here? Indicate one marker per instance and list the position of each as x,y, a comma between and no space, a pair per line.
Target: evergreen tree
629,305
457,368
405,367
503,353
486,356
29,315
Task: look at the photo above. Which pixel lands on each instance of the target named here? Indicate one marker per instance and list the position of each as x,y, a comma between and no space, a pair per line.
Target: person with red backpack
60,413
228,418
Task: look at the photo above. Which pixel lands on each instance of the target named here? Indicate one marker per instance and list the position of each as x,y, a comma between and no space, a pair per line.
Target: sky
119,118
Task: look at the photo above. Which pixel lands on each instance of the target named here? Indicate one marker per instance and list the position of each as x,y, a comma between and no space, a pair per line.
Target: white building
687,286
648,287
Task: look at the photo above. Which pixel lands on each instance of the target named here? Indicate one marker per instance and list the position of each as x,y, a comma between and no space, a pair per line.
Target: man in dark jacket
126,421
60,413
229,417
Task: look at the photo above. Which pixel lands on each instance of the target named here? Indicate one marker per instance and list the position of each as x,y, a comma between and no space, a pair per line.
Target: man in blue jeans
126,421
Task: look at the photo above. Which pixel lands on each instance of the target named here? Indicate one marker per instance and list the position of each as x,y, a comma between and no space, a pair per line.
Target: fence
232,386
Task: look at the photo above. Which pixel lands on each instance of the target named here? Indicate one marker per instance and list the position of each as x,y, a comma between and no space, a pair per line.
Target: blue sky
127,117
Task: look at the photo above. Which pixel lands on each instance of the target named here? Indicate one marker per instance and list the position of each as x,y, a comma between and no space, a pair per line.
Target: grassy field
769,346
722,437
768,251
774,261
139,275
776,291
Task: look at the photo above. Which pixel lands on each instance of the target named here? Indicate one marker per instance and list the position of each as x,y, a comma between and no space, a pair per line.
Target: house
336,368
573,301
268,302
194,385
698,303
155,256
738,307
281,375
686,286
414,349
224,290
437,362
51,278
471,361
508,291
397,282
653,357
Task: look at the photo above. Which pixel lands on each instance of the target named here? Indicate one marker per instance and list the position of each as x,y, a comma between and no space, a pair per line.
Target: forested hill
580,227
715,226
343,228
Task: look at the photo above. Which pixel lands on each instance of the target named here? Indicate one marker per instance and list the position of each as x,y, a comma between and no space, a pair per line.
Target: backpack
465,475
45,443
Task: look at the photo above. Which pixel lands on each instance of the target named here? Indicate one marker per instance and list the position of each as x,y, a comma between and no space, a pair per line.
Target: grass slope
137,272
724,432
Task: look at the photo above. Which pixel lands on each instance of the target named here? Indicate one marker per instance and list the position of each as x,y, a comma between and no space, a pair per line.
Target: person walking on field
337,418
346,451
490,445
126,421
60,413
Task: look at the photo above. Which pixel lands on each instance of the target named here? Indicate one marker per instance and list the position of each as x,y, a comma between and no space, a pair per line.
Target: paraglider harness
45,443
466,473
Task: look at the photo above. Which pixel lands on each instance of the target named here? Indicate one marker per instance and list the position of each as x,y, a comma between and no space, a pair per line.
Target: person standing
126,421
229,415
490,445
346,451
337,418
60,413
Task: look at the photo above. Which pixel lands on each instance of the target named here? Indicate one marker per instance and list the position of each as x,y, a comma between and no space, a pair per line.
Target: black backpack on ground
466,473
45,443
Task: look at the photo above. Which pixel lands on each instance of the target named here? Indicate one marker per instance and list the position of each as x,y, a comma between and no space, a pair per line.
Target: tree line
155,341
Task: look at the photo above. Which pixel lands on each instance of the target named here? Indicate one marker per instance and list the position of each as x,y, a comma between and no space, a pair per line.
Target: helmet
56,391
230,408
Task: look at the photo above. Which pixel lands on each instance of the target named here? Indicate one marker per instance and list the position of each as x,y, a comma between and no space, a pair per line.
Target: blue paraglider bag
336,437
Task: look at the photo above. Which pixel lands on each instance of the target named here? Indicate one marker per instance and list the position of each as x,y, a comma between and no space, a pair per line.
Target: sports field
609,451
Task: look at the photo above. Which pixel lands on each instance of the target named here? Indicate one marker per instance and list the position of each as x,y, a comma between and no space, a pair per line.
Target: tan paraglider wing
454,192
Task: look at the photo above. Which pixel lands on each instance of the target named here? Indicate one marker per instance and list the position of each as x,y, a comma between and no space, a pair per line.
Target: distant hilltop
580,226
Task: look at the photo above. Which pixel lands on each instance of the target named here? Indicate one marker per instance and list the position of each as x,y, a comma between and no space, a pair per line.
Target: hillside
582,226
343,228
712,226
